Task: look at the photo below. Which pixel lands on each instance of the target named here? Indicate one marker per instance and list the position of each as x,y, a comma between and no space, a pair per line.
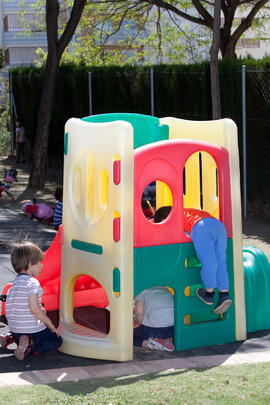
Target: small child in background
31,328
154,319
57,218
20,141
209,238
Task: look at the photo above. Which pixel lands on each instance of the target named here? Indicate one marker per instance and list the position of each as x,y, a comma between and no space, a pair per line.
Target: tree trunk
229,50
38,170
56,47
215,93
227,46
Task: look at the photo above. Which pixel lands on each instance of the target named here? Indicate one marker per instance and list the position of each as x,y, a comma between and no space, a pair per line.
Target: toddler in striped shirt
31,328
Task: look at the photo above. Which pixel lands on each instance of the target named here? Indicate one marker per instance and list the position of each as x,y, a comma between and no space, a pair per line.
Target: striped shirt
19,317
57,217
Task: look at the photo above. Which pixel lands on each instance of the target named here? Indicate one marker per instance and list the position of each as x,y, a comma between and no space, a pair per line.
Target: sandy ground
20,190
256,230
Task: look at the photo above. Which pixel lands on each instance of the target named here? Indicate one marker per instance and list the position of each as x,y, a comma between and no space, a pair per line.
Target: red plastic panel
5,291
116,229
117,171
165,161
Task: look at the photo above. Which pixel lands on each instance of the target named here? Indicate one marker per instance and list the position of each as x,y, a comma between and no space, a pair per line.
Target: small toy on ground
38,211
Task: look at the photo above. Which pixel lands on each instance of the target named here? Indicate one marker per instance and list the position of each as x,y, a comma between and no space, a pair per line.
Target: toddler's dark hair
162,213
59,193
23,254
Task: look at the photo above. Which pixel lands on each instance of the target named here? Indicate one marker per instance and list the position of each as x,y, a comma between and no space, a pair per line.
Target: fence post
244,141
90,93
152,90
11,114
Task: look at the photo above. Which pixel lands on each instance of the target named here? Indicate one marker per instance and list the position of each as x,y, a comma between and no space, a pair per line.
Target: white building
19,42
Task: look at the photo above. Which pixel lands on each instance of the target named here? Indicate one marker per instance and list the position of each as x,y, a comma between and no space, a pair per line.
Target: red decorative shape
116,229
117,171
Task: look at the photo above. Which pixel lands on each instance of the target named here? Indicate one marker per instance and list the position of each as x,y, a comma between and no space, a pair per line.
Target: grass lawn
249,384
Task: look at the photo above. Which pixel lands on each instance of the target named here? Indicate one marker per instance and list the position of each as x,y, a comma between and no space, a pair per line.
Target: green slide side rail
257,289
147,129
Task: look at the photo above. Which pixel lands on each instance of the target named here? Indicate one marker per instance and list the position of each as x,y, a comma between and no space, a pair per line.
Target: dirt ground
256,230
20,190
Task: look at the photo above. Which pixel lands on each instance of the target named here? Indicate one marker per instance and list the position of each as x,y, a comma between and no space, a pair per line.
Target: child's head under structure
23,254
162,213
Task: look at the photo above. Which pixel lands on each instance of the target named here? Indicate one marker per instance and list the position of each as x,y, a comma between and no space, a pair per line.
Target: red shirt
192,216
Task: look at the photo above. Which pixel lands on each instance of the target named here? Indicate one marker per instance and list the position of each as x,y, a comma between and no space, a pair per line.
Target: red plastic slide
87,291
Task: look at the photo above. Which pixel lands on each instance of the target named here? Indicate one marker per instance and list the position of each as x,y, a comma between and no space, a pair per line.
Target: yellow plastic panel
103,189
223,133
209,185
91,203
163,195
192,182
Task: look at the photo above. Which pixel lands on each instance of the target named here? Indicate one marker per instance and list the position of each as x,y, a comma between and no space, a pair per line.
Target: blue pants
143,332
43,341
209,238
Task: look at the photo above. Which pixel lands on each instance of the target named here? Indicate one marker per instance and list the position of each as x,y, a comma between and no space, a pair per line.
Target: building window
5,23
22,56
16,22
248,43
7,56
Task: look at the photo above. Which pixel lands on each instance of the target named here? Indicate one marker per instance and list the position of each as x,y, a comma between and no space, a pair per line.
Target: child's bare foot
23,348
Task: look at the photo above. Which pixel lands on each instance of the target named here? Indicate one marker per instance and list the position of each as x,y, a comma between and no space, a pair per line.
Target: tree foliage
236,18
118,33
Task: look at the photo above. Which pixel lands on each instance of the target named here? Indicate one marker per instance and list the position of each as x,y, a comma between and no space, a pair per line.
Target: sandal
24,347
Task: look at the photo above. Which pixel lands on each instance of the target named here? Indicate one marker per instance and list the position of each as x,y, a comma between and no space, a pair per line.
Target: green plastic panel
207,316
87,247
116,280
147,129
166,265
66,144
257,289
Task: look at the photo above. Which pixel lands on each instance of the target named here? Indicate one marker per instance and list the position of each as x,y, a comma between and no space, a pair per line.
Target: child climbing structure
194,165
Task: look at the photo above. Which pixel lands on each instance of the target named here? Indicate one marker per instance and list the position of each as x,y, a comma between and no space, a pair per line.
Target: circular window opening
156,196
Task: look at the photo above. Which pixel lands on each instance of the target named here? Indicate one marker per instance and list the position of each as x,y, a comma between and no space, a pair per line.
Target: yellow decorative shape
90,186
187,319
171,290
77,185
187,291
103,190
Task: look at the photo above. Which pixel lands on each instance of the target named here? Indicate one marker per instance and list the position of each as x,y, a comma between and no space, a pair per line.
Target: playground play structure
109,162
